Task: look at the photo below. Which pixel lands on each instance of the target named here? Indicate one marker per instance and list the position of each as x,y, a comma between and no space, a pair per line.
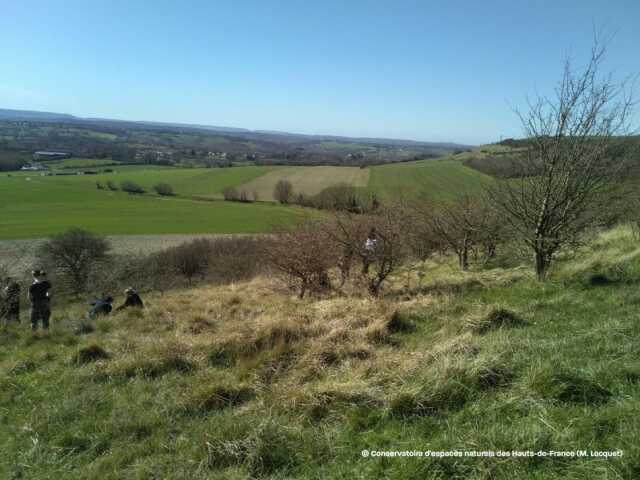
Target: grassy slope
245,381
309,180
437,179
46,205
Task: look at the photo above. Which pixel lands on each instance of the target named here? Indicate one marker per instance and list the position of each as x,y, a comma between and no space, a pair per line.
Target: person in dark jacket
12,296
39,297
101,307
132,300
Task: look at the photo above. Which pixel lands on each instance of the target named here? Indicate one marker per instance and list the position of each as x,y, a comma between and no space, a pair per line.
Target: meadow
433,179
32,205
245,381
35,206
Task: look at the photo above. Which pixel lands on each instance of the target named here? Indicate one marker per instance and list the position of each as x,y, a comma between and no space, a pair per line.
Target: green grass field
34,206
435,179
308,180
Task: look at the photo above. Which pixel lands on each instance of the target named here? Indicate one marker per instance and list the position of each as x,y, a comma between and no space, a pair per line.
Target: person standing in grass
369,250
39,298
12,296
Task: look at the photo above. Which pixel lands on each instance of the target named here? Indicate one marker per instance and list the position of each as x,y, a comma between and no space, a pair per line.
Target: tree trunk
541,264
463,258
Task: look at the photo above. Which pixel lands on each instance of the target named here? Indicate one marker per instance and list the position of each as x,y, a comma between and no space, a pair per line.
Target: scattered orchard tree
567,170
461,226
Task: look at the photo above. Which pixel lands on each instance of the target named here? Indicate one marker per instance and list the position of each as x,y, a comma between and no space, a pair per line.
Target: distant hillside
33,115
24,132
6,114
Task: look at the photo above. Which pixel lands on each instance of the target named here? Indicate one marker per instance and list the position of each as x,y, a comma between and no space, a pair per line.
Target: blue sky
448,70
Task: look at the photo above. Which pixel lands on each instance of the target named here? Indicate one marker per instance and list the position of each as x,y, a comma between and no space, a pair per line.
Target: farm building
50,155
33,167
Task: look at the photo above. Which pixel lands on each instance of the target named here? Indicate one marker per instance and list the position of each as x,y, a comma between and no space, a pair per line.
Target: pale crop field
307,180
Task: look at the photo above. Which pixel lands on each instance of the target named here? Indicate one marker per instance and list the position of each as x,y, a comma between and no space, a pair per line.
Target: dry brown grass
253,343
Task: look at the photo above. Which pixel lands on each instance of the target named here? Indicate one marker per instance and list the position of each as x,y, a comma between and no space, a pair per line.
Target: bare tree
283,191
304,253
568,168
190,259
378,240
73,254
459,226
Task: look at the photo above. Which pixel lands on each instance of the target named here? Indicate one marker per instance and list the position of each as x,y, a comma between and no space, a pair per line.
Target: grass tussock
211,396
268,449
496,319
153,361
571,387
88,354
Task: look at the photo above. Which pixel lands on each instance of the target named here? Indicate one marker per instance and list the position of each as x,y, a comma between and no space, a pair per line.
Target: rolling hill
243,381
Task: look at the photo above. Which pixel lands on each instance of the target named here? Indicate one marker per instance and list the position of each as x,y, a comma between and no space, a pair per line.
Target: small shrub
131,187
89,354
112,186
163,189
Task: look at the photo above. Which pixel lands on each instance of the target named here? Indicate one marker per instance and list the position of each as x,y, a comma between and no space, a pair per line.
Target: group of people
39,295
105,306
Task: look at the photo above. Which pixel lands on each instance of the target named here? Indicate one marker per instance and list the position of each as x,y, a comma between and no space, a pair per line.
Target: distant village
41,155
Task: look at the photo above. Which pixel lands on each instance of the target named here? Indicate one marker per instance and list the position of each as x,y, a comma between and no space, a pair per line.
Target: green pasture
35,206
435,179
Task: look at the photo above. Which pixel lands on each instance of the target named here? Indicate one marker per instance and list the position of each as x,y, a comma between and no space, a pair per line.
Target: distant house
32,167
50,155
